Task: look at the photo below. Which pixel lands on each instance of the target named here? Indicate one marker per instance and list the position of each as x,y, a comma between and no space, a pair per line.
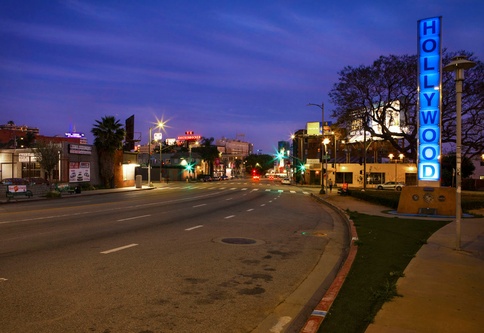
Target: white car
390,186
286,181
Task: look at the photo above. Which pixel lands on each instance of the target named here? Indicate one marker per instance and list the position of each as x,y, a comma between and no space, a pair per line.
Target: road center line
201,205
229,217
195,227
119,248
250,209
132,218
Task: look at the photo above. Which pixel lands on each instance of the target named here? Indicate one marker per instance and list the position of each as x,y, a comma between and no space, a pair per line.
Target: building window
376,178
31,169
344,177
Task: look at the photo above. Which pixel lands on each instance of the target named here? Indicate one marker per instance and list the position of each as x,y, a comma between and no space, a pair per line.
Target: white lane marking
201,205
305,192
256,189
229,217
119,248
233,188
3,279
250,209
244,189
195,227
132,218
277,328
117,208
262,205
228,199
293,191
268,190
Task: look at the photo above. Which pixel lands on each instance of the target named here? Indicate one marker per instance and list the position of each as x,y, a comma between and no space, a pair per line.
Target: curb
319,313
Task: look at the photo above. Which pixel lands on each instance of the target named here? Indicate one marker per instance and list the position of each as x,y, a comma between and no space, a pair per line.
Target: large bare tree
47,154
368,93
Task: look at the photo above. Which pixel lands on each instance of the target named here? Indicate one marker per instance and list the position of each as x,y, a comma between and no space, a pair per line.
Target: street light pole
160,124
325,142
149,158
458,65
322,191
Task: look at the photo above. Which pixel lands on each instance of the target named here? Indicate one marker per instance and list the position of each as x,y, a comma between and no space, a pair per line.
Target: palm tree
109,135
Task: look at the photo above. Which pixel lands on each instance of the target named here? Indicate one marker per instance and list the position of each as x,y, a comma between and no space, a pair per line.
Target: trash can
138,181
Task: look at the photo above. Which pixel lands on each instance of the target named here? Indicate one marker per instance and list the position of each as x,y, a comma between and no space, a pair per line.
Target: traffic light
189,167
302,168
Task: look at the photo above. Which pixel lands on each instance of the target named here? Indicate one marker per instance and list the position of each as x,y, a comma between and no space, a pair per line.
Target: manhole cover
238,241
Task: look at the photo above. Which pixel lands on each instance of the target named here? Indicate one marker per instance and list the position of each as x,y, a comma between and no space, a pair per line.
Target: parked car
36,180
390,186
286,181
206,178
14,181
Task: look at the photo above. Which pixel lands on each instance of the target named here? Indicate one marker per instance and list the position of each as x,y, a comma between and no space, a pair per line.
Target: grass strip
385,247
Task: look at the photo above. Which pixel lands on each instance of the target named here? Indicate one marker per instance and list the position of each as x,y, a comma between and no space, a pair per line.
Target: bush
53,194
385,198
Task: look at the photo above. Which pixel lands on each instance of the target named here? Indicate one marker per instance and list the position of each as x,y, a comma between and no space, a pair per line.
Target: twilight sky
218,68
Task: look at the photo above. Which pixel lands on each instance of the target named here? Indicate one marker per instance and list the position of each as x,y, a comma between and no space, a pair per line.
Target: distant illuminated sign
170,141
74,135
429,98
190,137
157,136
80,149
313,128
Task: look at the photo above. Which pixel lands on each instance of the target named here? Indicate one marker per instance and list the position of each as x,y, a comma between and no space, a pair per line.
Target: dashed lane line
195,227
119,249
133,218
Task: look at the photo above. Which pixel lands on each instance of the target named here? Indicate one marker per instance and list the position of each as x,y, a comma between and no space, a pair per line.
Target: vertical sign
429,99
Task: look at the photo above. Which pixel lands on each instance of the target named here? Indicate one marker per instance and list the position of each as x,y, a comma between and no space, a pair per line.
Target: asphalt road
205,257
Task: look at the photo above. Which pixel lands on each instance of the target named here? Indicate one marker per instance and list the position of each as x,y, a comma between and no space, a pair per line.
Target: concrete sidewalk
443,289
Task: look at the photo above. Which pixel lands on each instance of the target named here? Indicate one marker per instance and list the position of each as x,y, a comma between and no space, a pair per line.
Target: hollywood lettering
429,82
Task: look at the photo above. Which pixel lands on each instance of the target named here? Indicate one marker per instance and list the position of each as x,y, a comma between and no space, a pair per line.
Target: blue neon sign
429,98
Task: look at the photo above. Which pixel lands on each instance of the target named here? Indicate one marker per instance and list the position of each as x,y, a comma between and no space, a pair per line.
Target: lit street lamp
458,65
391,156
161,124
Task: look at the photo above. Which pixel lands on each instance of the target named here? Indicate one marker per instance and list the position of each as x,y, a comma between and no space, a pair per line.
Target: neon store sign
429,97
